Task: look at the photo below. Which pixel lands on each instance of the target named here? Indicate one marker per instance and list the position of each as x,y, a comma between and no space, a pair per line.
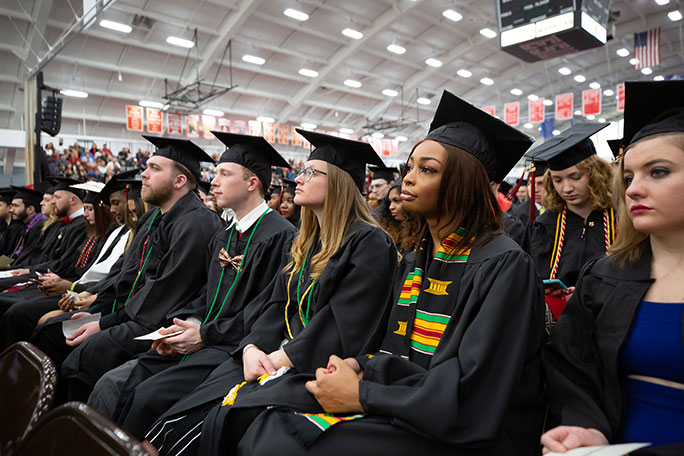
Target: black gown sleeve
463,398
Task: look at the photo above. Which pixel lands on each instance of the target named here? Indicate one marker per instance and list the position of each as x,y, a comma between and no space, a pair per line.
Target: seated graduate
10,230
404,227
615,361
459,371
25,209
579,223
242,260
535,196
381,180
330,298
94,264
288,208
159,275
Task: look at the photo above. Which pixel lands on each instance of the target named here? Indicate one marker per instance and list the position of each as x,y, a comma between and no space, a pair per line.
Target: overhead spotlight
423,101
578,112
180,42
308,126
548,102
591,117
622,52
579,78
464,73
396,49
346,131
296,14
608,93
151,104
517,92
528,125
378,135
253,59
633,61
111,25
308,73
352,83
532,97
556,132
646,71
595,85
74,93
602,120
433,62
351,33
662,2
565,71
452,15
487,33
265,119
390,93
675,15
486,81
659,78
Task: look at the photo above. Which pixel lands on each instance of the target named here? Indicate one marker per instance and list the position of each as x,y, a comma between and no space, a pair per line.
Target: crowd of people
323,309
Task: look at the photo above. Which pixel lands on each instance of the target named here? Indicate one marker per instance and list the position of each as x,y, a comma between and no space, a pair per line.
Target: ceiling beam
338,58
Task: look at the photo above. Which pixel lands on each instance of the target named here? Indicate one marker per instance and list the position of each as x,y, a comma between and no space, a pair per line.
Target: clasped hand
336,386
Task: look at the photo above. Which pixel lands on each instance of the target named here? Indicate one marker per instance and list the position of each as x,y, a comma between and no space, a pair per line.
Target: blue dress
654,413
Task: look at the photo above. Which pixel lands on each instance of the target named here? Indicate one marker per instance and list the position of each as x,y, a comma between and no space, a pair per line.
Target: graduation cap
252,152
116,184
497,145
205,186
348,155
28,195
568,148
616,147
7,194
383,172
133,188
651,108
66,184
181,151
288,186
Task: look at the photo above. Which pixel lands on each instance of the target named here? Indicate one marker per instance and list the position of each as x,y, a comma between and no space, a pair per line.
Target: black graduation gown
38,250
480,393
514,227
522,212
348,312
584,240
143,398
170,250
64,252
581,358
10,237
31,241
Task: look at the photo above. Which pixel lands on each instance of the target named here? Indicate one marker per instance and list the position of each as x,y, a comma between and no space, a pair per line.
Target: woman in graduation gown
615,362
579,223
330,298
459,371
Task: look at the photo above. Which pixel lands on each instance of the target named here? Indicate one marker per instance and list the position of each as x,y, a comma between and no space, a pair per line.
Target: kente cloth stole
425,304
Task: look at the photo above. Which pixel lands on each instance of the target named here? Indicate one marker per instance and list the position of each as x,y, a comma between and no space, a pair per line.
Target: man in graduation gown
159,275
10,230
242,260
25,210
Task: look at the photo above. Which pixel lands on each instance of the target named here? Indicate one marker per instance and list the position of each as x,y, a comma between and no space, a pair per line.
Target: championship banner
283,134
208,124
269,132
296,138
621,97
536,111
239,127
564,106
134,118
154,120
192,127
512,113
254,127
223,125
591,102
491,110
174,123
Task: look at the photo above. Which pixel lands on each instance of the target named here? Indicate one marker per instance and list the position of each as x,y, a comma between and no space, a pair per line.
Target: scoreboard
545,29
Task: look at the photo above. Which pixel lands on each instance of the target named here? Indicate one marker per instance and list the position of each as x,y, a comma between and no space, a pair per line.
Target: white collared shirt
250,219
76,214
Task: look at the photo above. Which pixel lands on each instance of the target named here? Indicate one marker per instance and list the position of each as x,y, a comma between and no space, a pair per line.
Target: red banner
490,109
621,97
134,118
192,127
223,124
154,120
591,102
239,127
296,138
174,123
254,127
536,111
564,106
283,134
269,132
208,124
512,113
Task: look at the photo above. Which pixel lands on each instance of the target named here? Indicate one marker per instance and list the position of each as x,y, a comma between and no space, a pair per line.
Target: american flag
647,48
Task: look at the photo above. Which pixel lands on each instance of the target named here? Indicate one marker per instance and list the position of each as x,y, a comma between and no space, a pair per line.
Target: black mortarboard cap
116,183
94,198
569,147
7,194
286,186
252,152
615,147
205,187
653,107
182,151
540,167
65,183
497,145
134,187
383,173
29,195
348,155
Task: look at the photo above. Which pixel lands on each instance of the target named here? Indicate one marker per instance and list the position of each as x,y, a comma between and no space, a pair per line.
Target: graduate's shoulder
495,248
364,232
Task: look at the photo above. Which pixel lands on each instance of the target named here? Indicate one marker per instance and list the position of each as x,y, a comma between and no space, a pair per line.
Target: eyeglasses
309,173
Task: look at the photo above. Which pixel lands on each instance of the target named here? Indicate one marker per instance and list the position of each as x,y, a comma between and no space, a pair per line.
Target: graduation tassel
513,191
532,201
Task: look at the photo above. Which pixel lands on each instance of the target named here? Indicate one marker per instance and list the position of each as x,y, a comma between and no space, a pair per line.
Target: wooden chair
75,429
27,385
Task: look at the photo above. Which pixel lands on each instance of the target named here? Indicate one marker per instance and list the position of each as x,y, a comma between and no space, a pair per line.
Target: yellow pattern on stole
437,287
402,328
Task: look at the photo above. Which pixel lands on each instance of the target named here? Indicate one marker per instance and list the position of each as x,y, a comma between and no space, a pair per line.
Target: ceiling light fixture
548,102
532,97
378,135
346,131
433,62
423,101
486,81
180,42
464,73
659,78
151,104
487,33
111,25
565,71
253,59
308,126
580,78
308,73
352,83
390,93
396,49
452,15
401,138
608,93
675,15
351,33
633,61
595,85
74,93
622,52
265,119
296,14
646,71
517,92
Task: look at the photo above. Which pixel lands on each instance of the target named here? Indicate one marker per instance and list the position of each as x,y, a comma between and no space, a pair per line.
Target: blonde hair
600,176
343,206
631,244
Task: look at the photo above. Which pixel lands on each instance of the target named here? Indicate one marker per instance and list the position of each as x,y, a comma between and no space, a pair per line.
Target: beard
157,196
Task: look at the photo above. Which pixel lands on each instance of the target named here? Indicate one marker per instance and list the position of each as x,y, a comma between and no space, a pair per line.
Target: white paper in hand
620,449
70,326
155,335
